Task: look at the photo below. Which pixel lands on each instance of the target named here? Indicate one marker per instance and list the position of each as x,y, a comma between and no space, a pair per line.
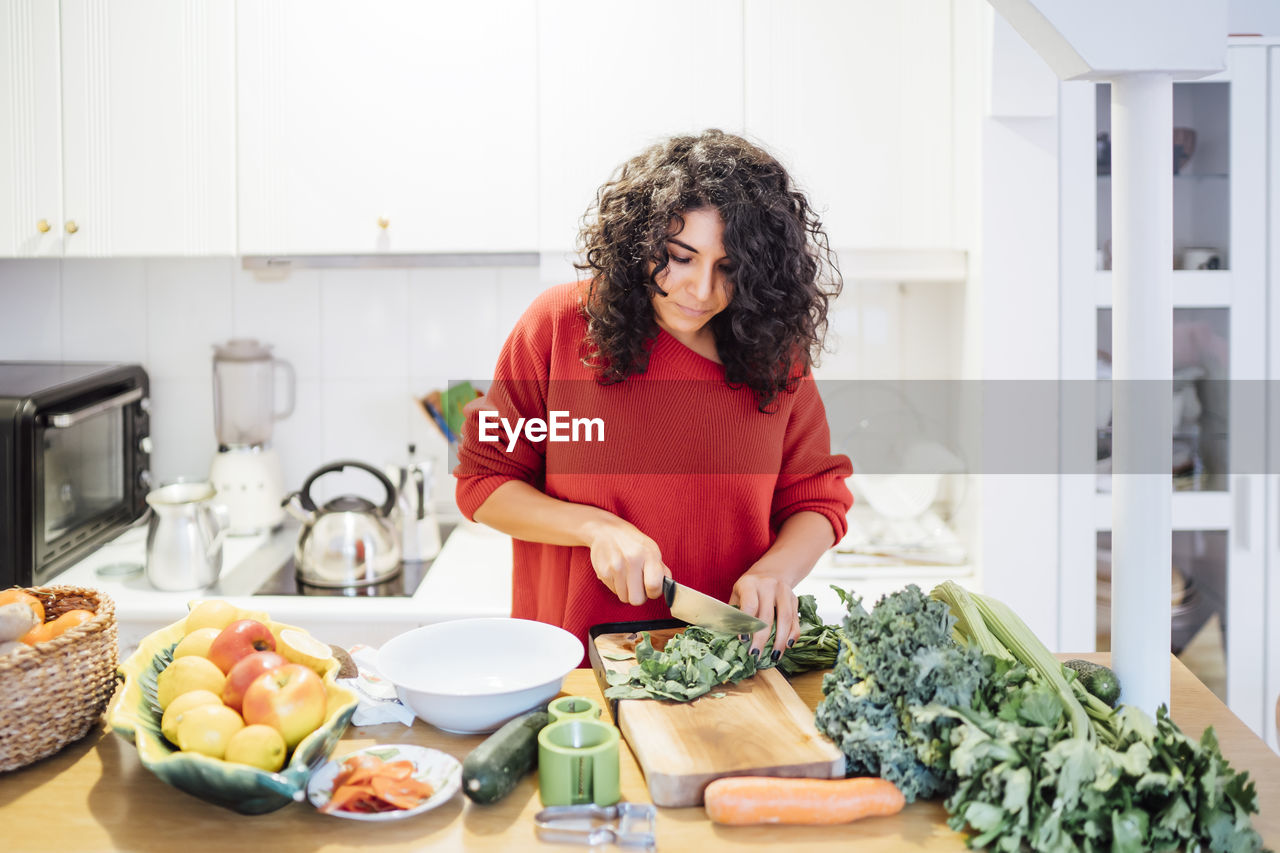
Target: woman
705,452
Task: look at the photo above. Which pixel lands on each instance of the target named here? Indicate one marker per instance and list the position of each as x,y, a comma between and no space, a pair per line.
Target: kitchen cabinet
861,100
1223,518
615,77
394,127
122,134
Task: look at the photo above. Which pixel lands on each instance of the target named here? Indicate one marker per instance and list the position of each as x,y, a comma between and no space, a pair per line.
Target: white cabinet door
148,116
858,100
31,146
614,77
403,127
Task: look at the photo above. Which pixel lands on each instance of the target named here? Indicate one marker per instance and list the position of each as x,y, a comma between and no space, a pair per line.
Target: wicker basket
53,693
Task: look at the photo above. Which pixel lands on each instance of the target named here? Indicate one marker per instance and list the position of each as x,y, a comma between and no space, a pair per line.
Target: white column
1142,330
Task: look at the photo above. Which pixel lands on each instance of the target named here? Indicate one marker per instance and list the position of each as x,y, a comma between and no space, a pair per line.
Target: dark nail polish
755,653
791,642
744,637
777,653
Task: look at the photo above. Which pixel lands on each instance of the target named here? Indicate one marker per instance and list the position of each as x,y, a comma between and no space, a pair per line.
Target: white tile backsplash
354,336
364,323
282,309
299,438
364,342
30,310
517,288
189,308
365,419
104,310
453,322
182,439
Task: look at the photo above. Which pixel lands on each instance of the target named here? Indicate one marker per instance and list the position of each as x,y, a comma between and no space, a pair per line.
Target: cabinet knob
43,226
383,222
72,227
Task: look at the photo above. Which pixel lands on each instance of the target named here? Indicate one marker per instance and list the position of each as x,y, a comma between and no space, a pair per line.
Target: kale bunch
893,660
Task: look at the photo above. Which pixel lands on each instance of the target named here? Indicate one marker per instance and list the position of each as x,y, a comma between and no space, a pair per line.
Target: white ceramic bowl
473,675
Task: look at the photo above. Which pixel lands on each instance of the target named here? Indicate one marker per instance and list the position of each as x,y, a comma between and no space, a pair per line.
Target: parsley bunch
1040,763
696,660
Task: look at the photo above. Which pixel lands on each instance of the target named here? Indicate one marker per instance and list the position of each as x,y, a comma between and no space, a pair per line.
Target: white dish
472,675
440,770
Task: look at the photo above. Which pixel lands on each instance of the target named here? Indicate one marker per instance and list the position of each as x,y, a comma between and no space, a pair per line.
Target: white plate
438,769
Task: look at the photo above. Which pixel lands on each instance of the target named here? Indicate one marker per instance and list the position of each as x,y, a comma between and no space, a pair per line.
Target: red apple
291,699
239,640
246,670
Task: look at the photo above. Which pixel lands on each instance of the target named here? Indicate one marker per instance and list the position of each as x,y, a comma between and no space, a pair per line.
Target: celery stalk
1013,635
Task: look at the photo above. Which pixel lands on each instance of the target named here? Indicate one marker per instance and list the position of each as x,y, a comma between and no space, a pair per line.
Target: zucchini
1097,679
496,766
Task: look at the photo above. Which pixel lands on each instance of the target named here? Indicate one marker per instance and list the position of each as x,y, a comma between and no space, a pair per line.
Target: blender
246,471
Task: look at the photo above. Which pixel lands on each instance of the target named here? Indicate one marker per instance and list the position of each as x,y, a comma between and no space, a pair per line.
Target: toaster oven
75,453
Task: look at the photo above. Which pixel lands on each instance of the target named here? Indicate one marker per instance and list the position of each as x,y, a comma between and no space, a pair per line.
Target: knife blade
702,610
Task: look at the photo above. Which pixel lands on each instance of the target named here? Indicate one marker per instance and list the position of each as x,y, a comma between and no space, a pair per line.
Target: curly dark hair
784,272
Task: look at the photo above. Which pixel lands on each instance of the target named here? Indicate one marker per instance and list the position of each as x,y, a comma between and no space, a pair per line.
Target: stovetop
270,570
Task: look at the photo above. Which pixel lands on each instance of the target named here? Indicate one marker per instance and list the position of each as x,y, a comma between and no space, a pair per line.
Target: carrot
749,800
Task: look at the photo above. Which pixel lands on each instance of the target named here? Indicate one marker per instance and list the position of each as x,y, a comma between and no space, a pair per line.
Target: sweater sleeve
519,390
812,478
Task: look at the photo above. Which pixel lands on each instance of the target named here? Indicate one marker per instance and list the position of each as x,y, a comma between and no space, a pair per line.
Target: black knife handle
668,590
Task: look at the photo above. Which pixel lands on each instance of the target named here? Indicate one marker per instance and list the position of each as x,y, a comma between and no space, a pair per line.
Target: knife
698,609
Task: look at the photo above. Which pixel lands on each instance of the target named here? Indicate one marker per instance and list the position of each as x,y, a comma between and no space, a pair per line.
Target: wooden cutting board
760,726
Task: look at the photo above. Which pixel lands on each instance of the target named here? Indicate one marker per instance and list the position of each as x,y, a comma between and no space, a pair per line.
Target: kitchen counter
95,795
471,576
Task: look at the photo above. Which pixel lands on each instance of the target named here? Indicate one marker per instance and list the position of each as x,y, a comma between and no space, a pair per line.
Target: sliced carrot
401,793
396,770
749,800
343,797
366,783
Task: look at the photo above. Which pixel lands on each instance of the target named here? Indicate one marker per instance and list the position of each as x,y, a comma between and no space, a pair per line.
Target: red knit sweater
685,458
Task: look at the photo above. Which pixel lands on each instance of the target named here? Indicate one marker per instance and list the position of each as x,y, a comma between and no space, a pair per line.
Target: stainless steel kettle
350,541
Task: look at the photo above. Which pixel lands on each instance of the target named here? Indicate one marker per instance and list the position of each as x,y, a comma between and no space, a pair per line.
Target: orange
18,594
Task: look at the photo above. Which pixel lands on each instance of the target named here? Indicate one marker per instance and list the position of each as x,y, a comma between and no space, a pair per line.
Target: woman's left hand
768,596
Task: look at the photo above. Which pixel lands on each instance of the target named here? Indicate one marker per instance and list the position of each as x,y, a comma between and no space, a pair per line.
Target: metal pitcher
420,529
184,536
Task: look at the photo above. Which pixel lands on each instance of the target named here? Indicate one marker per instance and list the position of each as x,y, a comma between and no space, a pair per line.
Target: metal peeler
624,824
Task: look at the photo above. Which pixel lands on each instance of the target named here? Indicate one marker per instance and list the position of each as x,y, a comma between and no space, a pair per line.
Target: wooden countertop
95,795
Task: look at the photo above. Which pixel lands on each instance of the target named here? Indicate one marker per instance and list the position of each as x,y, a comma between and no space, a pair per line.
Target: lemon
185,702
213,613
208,729
186,674
258,746
255,615
196,643
300,647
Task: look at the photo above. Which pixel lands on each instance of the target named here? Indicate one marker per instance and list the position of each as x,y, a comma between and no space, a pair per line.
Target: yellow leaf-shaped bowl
134,714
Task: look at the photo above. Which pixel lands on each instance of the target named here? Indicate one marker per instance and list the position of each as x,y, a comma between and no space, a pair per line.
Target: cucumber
496,766
1097,679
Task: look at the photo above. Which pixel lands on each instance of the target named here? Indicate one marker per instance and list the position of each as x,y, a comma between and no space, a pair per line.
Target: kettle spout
292,504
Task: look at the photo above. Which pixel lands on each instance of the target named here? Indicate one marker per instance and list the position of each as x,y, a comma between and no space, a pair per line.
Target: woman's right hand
627,561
